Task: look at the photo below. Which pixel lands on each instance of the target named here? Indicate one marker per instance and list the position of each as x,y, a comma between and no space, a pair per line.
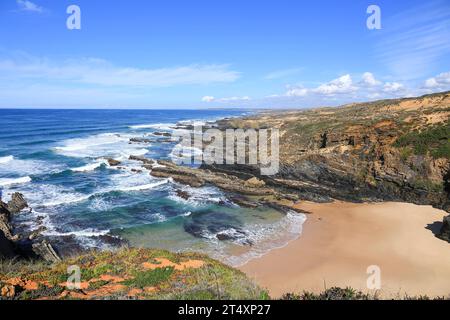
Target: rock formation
46,251
444,234
17,203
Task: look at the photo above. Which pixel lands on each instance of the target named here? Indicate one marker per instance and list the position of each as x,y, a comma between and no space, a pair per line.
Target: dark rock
140,140
45,251
164,134
444,234
141,159
183,194
113,162
223,237
6,247
244,202
216,224
17,203
165,140
5,215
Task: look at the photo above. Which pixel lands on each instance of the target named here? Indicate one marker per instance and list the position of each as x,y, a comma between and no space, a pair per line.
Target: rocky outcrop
444,234
142,159
24,246
163,134
17,203
254,183
394,150
112,162
200,177
6,247
140,140
45,251
5,226
183,194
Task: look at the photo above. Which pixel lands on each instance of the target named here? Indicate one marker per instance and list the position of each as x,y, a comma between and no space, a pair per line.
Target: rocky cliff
385,150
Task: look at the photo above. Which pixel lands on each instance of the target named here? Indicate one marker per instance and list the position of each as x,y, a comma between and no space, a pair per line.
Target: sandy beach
341,240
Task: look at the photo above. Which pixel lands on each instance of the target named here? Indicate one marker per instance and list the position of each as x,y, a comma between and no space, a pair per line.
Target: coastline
340,240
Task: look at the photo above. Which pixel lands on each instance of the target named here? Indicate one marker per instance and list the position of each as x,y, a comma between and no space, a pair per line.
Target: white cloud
102,73
369,80
208,99
245,98
227,99
297,92
342,90
441,81
25,5
343,84
393,87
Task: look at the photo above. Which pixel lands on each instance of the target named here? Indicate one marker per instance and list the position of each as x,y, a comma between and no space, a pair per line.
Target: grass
150,278
333,293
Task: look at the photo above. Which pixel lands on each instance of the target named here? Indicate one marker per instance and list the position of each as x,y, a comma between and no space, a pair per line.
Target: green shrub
333,293
150,278
435,141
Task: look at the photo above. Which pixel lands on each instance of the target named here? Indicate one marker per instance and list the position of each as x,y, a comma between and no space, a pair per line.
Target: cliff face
383,150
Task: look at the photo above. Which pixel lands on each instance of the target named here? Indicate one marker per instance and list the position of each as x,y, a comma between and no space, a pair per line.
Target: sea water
57,159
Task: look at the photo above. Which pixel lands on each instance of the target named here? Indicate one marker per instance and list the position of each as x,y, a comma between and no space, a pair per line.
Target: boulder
254,183
17,203
112,162
444,234
45,251
183,194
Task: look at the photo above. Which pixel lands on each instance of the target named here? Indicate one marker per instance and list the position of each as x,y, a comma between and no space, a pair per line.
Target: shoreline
340,240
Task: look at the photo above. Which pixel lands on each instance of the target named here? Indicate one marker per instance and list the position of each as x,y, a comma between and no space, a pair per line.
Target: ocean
57,159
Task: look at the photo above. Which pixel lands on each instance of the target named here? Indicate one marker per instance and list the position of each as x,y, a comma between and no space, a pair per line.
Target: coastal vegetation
128,273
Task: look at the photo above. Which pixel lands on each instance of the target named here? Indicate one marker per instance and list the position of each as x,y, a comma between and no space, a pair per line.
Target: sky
220,53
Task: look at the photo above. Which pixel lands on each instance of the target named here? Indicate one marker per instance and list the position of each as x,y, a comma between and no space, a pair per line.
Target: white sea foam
144,186
47,195
14,181
268,237
4,160
89,167
159,217
101,145
182,153
12,165
66,199
160,126
82,233
198,196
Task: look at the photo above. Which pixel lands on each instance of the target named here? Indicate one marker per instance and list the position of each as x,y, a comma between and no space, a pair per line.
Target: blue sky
221,53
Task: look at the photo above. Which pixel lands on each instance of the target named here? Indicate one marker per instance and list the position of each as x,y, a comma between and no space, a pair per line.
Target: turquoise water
56,158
